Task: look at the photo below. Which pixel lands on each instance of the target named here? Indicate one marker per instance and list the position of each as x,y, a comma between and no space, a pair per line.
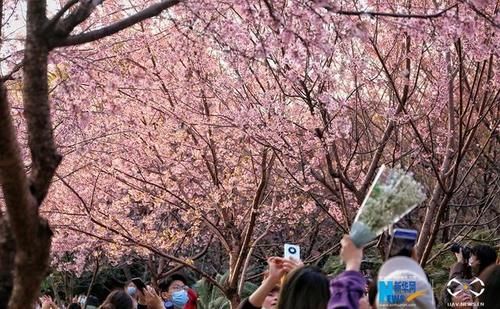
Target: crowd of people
288,284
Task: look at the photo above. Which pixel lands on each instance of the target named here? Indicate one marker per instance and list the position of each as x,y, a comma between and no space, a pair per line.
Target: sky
14,28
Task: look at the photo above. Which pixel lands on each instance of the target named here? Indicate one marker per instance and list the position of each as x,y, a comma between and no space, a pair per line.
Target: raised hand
47,302
460,256
278,267
151,298
350,254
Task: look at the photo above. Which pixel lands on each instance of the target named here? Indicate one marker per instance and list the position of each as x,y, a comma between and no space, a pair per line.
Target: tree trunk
445,237
7,254
94,276
26,240
234,299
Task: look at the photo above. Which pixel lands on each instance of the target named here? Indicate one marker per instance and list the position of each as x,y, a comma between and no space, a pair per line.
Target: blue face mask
180,298
132,290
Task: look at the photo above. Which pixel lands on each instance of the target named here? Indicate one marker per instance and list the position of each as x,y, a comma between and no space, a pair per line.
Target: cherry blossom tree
207,181
219,124
383,95
26,237
331,108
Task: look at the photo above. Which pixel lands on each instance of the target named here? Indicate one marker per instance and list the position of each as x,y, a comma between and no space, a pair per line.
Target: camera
466,250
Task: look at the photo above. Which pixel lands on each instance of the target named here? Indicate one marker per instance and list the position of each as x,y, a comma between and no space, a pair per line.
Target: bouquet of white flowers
392,195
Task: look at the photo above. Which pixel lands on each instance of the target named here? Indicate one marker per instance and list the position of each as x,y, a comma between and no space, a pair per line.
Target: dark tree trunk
234,299
7,254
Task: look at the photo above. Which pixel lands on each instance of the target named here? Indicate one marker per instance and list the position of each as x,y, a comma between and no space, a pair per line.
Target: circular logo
292,250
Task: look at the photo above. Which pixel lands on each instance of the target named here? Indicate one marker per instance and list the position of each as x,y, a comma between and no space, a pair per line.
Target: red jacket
193,299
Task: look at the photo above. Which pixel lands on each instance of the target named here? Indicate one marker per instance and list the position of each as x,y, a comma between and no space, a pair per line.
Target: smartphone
292,251
82,299
402,242
139,284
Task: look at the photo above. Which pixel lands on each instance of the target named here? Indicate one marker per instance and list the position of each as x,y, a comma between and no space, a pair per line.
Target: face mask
179,298
131,290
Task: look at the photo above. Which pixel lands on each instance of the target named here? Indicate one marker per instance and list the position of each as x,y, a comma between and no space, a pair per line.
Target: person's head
404,270
74,306
118,299
92,302
132,290
491,278
175,289
305,288
271,300
481,257
462,300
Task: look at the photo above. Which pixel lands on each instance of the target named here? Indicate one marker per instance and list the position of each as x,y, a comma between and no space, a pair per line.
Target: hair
165,285
118,299
92,301
485,254
372,292
74,306
305,288
491,279
49,293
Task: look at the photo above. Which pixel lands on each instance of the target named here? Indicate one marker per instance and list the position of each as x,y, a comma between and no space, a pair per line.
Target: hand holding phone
139,284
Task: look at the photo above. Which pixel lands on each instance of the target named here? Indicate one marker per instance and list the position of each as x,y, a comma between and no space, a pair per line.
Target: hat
401,268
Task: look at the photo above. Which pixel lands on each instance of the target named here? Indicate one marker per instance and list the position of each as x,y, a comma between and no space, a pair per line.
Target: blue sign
396,291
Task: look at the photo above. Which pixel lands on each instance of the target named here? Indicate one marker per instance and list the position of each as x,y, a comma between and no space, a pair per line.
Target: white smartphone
292,251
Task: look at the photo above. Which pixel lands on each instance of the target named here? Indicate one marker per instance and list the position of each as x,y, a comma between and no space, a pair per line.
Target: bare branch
241,285
388,14
178,267
63,27
118,26
54,20
266,169
10,75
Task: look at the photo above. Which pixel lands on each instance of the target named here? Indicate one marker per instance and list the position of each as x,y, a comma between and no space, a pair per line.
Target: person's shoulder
192,293
350,275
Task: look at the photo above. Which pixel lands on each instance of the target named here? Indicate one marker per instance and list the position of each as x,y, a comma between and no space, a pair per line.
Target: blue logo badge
392,292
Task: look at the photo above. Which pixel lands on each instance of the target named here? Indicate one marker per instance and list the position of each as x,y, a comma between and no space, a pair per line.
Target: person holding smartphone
143,296
402,243
266,295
